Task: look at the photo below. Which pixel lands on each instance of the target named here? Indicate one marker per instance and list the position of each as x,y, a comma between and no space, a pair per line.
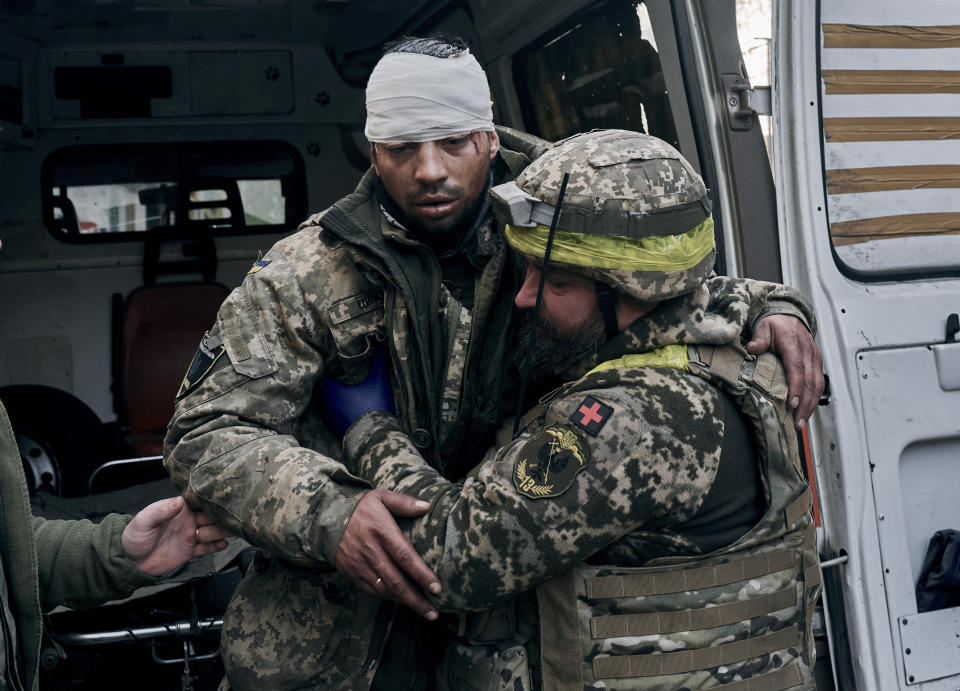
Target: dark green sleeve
81,564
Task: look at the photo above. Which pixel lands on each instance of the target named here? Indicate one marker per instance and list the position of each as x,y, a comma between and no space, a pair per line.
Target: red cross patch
591,415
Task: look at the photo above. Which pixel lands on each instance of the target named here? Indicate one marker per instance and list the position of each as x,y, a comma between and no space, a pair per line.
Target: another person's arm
780,319
81,564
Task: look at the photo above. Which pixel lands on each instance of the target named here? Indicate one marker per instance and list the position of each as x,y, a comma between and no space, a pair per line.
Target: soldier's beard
554,352
453,236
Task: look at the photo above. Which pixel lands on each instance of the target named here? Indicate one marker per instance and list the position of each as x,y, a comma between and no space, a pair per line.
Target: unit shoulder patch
591,415
210,350
548,463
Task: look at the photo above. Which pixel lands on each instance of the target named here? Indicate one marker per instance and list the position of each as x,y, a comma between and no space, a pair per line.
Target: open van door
867,146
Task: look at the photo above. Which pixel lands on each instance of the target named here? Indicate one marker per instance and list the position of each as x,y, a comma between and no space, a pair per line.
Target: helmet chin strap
536,309
607,302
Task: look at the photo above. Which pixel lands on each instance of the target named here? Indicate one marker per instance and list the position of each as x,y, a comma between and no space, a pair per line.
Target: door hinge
743,103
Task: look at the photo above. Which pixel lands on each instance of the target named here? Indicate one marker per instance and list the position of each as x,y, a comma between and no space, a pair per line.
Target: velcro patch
549,463
355,305
210,350
591,415
258,265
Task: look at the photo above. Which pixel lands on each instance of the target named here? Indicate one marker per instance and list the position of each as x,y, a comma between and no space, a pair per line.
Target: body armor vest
738,618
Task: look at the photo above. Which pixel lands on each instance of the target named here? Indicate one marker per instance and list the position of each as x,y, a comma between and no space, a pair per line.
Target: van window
890,150
117,192
602,70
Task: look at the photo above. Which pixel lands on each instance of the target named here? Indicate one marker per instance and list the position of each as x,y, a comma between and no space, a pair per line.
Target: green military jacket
48,563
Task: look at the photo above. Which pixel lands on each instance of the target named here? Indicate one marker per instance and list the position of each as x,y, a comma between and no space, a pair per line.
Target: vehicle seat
162,326
159,326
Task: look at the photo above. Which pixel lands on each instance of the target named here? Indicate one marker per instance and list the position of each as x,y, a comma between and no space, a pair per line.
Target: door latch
743,103
953,328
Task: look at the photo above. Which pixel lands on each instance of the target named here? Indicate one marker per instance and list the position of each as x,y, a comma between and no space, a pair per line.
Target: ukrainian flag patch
260,264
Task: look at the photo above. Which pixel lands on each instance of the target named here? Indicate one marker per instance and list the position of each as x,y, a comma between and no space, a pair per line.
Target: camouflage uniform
597,504
606,469
246,442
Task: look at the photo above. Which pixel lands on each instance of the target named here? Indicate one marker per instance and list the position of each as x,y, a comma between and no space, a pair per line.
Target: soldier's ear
494,144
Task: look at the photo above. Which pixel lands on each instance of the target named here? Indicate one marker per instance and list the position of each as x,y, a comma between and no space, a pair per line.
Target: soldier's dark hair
436,46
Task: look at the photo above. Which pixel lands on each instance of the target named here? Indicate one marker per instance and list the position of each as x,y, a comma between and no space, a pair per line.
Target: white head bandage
420,98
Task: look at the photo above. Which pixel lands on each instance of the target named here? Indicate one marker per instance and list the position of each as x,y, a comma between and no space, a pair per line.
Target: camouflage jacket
490,537
246,441
610,469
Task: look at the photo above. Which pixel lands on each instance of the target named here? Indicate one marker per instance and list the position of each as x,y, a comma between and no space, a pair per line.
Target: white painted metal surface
847,207
913,442
930,656
926,13
715,146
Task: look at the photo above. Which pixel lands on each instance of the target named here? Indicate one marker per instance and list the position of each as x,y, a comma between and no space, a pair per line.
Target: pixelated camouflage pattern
650,469
321,622
787,620
230,445
486,541
460,329
484,668
762,400
722,310
616,173
649,286
614,170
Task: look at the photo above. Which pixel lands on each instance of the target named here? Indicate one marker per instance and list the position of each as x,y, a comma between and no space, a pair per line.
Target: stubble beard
446,236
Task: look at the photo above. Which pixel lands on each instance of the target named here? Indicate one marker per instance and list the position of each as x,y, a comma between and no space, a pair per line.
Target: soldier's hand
374,553
789,338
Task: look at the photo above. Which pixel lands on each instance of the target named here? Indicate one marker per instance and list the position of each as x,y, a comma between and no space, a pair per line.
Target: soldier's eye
454,143
397,149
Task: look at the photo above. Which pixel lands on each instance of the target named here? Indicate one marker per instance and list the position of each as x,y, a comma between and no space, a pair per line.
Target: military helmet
635,214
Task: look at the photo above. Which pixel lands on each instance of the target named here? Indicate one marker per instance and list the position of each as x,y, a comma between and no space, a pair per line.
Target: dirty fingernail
435,588
431,615
422,504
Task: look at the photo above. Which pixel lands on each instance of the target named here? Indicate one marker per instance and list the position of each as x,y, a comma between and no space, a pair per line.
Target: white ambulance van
151,149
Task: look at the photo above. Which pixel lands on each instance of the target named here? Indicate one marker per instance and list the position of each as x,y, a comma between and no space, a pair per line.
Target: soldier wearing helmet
649,527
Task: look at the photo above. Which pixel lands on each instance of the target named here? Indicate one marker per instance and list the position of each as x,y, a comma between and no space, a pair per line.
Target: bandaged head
413,97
